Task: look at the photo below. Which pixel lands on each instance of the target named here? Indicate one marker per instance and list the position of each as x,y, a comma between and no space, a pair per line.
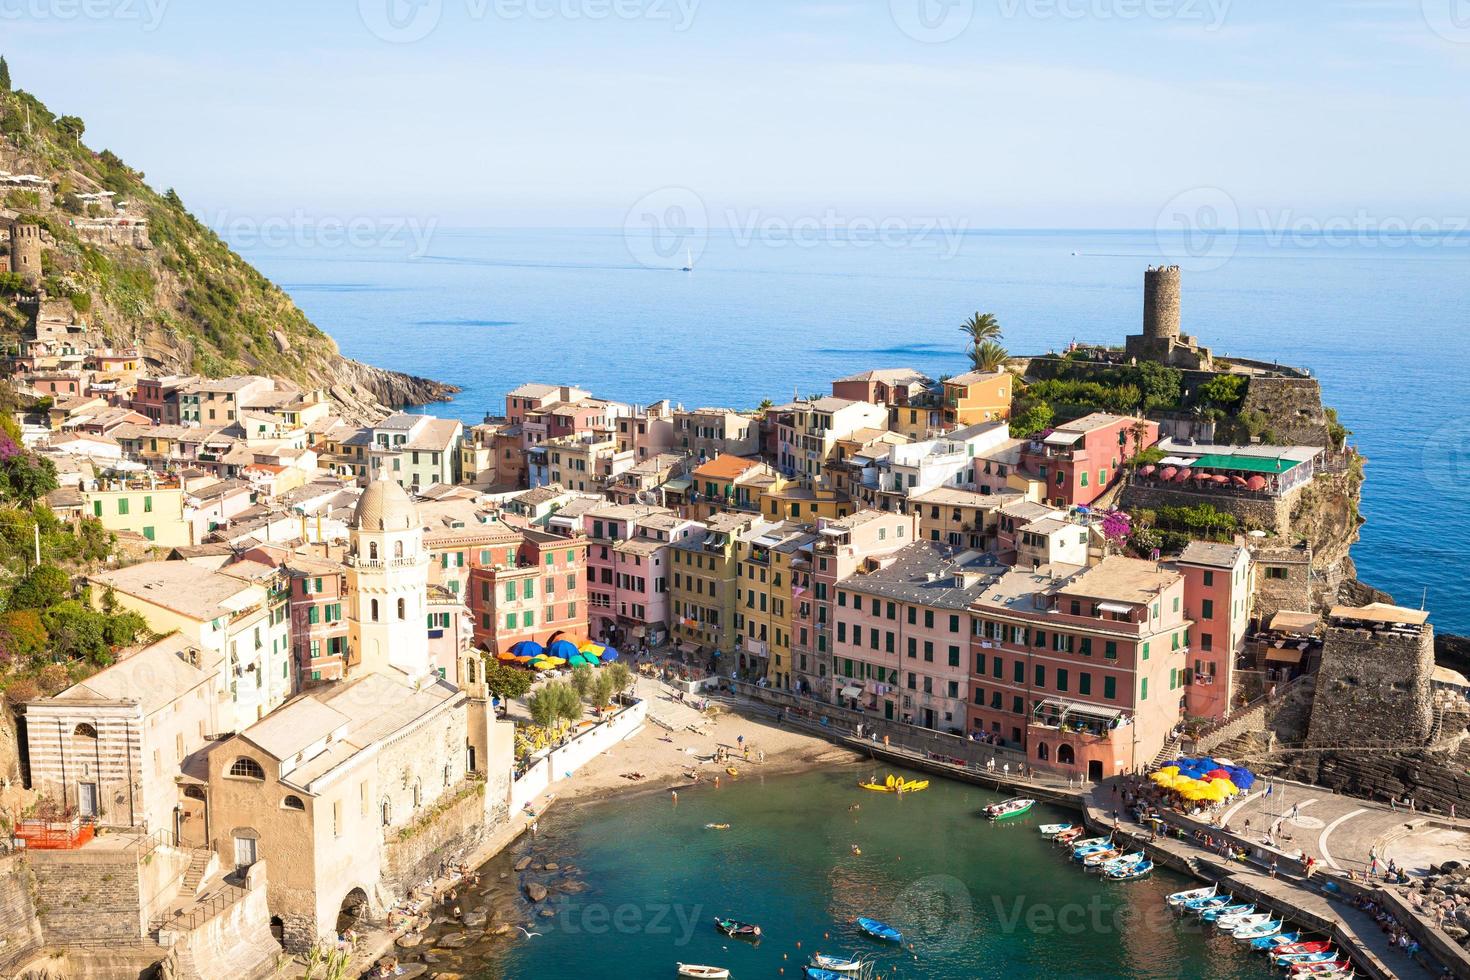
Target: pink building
628,571
1079,460
318,610
1083,670
843,546
536,592
1217,596
903,635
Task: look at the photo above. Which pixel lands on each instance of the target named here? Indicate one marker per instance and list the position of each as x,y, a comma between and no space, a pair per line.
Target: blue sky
996,113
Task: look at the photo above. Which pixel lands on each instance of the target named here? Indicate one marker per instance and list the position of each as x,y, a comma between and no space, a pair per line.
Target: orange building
542,594
976,397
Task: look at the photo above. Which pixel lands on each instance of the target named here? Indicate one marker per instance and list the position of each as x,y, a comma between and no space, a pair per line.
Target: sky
989,113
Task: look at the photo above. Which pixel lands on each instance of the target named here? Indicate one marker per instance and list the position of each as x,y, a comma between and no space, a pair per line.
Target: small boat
732,770
1089,842
689,261
1259,931
1178,899
1053,829
1244,923
1199,906
1272,942
836,964
709,972
1008,809
1292,959
738,930
1082,852
817,973
716,826
1219,911
1315,946
1333,968
1132,873
1095,860
1068,836
1230,920
880,930
1126,861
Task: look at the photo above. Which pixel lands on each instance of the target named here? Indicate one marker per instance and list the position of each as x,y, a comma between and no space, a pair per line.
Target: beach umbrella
564,649
1147,470
1226,785
528,648
1218,774
590,649
524,659
609,655
554,661
1256,483
506,657
1168,473
1221,479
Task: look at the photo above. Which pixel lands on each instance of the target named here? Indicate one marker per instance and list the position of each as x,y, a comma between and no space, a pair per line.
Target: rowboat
1223,911
738,930
1053,829
1200,906
1260,929
1008,809
1273,942
1089,842
1315,946
1326,968
1094,860
1081,853
1229,920
1068,836
716,826
1126,861
709,972
1178,899
836,964
1140,870
1291,959
1244,922
880,930
817,973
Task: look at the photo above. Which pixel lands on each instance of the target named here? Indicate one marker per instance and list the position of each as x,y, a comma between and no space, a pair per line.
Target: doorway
87,800
245,853
1095,770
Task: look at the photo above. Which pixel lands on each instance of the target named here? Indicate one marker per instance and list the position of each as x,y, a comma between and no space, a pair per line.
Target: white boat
1126,861
1259,931
836,964
1179,898
690,266
1245,923
1052,829
708,972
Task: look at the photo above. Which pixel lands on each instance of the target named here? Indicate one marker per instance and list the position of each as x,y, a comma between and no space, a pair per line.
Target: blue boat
1271,942
1199,905
817,973
880,930
1211,915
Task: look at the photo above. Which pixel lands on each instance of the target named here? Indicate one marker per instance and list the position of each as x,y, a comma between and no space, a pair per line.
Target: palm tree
988,356
981,327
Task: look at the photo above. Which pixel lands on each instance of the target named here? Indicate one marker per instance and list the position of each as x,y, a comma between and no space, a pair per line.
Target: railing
43,835
201,913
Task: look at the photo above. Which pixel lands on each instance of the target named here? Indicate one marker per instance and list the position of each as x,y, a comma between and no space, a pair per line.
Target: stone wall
414,853
232,943
1292,406
106,892
20,931
1373,687
1269,513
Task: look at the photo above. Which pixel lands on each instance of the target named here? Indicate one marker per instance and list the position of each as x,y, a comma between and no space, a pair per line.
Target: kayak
738,930
880,930
708,972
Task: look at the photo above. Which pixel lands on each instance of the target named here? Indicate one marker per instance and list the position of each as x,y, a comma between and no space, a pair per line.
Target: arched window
402,608
293,803
84,730
375,610
1065,755
372,551
1043,752
193,792
397,549
246,768
470,669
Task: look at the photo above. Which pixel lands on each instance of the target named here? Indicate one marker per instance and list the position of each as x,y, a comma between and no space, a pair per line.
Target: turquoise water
974,899
1382,321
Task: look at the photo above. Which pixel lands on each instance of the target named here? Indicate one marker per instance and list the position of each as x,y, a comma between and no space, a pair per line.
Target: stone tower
25,252
1374,682
1161,289
388,581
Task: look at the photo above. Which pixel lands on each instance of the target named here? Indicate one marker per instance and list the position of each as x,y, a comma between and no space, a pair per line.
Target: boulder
455,940
409,941
551,866
473,920
535,891
523,863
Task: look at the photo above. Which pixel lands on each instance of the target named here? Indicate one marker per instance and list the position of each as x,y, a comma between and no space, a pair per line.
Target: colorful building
1217,596
628,568
1078,461
318,589
1085,670
541,595
705,568
763,598
978,397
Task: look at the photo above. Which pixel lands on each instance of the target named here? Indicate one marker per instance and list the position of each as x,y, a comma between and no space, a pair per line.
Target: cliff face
139,269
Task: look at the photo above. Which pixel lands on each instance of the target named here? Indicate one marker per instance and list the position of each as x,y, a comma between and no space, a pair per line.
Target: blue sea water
1381,320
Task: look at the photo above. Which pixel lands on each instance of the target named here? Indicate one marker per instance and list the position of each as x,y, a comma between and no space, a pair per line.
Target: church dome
385,506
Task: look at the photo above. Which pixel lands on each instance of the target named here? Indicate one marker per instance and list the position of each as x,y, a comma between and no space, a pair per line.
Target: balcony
357,561
1088,722
43,835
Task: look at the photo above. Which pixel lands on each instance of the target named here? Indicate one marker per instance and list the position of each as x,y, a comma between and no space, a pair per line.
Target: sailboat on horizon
689,261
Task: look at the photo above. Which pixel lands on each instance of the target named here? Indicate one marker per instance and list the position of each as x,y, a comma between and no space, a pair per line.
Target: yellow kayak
895,785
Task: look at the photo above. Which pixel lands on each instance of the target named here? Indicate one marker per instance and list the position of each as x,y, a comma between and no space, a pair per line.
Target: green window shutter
1110,688
528,618
510,621
148,533
1143,690
96,508
147,505
122,505
510,591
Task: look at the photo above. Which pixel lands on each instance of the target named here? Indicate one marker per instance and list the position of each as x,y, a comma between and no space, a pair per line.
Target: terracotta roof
725,467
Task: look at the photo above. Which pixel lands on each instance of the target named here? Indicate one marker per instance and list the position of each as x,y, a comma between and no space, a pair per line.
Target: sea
781,310
636,884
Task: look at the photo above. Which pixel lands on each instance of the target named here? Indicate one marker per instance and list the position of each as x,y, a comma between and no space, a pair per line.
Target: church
356,790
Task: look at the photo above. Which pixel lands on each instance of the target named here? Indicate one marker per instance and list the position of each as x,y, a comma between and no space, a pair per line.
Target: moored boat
1068,836
838,964
1243,922
1132,873
1126,861
1273,942
1291,959
1077,845
817,973
1094,860
1053,829
1178,899
1326,968
1224,911
880,930
738,930
1260,930
1200,906
707,972
1228,920
1311,946
1010,808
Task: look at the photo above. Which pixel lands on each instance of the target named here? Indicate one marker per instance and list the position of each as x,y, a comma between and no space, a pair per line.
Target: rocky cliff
138,269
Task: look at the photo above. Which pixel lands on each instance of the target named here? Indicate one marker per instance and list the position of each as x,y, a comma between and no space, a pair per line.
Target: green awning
1246,464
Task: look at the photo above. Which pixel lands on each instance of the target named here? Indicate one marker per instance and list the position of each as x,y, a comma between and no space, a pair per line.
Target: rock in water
535,891
523,863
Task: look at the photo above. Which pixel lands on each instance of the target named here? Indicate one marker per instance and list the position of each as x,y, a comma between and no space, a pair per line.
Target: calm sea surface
1382,321
974,899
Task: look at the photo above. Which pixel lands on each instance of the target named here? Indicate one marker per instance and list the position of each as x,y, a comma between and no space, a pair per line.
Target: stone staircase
202,866
1168,753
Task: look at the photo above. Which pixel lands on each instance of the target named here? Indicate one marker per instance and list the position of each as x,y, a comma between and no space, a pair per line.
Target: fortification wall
1292,407
20,930
1373,687
233,944
1268,513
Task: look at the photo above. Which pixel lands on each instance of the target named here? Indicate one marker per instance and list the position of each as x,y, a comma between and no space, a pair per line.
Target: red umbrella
1202,476
1222,479
1217,774
1256,483
1146,470
1167,473
1239,481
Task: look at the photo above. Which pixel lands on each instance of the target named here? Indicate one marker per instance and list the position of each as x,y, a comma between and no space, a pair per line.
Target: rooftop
154,676
180,586
1211,553
1381,613
725,467
1130,580
927,573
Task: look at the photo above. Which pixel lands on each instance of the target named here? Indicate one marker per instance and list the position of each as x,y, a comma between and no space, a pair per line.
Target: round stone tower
1161,286
25,252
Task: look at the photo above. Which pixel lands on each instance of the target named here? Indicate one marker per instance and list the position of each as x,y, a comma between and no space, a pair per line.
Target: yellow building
154,512
703,583
977,397
798,503
763,604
